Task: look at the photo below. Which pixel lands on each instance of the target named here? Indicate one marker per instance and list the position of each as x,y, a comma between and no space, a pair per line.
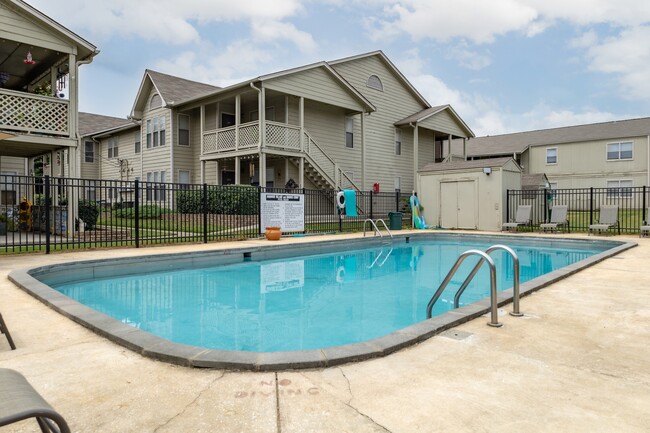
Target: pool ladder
484,257
374,225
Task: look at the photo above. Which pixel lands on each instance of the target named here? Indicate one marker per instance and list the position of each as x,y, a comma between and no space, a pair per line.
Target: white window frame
374,82
619,151
398,141
349,132
113,148
616,189
153,100
137,138
548,149
91,153
180,116
184,185
149,134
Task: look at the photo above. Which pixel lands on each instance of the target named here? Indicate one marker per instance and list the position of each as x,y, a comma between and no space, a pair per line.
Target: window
156,102
138,144
618,151
398,141
155,185
149,131
89,151
349,132
183,130
91,194
184,179
619,188
112,148
156,136
375,83
161,125
551,155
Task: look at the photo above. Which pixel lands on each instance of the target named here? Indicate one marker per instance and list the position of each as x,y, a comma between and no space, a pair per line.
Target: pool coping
155,347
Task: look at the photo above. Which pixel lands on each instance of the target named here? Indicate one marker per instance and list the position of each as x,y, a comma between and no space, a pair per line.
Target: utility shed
467,194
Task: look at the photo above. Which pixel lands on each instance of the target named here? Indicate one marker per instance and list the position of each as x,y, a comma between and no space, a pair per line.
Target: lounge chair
644,230
5,331
558,219
20,401
608,219
521,219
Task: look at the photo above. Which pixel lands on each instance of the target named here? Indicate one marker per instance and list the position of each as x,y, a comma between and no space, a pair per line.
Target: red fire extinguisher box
375,187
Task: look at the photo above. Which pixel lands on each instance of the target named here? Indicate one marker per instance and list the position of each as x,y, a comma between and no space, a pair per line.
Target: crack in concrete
349,387
187,406
278,424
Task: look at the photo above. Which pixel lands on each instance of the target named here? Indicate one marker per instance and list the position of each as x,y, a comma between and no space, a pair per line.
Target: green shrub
88,213
145,212
228,200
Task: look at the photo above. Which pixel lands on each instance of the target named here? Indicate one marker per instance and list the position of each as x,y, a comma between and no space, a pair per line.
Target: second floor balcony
24,112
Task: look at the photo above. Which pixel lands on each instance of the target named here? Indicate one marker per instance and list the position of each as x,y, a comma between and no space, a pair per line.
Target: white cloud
468,58
266,31
585,40
168,21
627,56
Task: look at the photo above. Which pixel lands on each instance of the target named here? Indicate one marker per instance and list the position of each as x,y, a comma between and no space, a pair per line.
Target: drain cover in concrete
456,334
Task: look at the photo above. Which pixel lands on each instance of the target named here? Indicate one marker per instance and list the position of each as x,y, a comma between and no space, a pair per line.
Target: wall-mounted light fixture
487,170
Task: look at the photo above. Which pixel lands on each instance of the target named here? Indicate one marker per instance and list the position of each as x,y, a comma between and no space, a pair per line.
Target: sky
503,65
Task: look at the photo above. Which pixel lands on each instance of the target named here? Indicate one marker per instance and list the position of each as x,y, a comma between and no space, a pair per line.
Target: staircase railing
326,165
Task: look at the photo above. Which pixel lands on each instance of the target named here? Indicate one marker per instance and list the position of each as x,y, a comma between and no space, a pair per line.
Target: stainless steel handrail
515,283
494,319
375,227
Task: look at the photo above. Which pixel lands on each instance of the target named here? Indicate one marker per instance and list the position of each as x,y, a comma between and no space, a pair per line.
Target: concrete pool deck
579,360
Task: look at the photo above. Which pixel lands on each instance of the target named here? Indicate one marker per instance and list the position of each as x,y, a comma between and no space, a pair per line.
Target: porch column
415,156
301,116
201,129
202,172
73,107
218,178
262,169
53,79
286,170
301,174
262,116
449,147
363,152
237,118
465,148
237,171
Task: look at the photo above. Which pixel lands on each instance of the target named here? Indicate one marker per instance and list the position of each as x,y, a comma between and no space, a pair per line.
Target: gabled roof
170,88
335,75
508,144
93,124
380,54
464,165
432,111
85,49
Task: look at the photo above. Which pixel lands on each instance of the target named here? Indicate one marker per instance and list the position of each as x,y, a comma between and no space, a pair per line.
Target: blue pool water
306,302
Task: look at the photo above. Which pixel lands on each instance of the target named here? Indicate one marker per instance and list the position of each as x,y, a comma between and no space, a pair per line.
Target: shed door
458,205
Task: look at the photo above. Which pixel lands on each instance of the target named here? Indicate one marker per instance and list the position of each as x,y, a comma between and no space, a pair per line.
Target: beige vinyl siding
315,84
16,27
585,164
394,103
12,164
157,158
326,125
443,121
184,155
90,170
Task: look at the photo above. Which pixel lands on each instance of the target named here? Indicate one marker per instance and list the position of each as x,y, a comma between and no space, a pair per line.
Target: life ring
340,200
340,274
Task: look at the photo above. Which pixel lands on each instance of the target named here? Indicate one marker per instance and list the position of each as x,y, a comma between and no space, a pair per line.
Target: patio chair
20,401
5,331
522,218
644,230
608,219
558,219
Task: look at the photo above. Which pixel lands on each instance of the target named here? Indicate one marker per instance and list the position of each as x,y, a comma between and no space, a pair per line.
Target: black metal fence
584,205
46,213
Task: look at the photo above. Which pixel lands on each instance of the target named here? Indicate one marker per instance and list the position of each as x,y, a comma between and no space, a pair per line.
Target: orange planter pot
273,233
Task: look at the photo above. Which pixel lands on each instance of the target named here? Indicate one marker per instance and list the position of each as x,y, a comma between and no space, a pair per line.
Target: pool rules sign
283,210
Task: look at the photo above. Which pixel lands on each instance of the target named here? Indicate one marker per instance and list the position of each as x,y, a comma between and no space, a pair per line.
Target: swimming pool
325,303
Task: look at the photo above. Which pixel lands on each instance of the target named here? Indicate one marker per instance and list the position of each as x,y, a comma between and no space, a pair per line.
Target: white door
458,205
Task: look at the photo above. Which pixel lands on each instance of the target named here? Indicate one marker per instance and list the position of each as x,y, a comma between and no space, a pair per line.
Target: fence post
591,205
547,199
371,200
136,214
397,200
47,214
259,210
507,205
645,207
205,213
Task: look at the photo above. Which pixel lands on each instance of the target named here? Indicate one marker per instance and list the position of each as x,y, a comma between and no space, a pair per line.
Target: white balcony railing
26,112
